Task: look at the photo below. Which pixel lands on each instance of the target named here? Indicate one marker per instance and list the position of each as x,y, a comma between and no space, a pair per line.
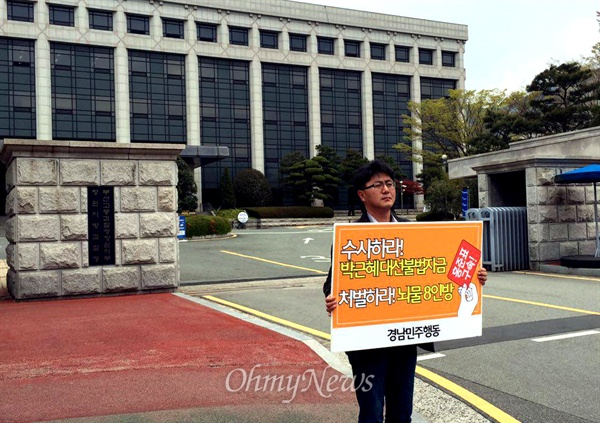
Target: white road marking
307,240
429,356
565,336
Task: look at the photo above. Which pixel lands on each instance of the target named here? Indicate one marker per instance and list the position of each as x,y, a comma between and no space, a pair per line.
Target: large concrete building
264,78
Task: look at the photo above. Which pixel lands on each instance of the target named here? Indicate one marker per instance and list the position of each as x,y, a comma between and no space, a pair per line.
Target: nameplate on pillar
101,225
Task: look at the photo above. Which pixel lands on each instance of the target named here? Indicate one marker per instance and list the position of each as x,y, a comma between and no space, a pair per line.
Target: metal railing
505,237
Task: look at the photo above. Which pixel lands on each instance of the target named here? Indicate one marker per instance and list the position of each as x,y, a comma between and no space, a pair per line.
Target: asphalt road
516,365
553,381
291,252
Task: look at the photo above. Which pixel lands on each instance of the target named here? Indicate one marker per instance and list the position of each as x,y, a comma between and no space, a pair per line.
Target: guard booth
505,241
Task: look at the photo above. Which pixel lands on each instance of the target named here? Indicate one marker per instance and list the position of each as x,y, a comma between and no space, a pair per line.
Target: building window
448,59
101,19
391,94
341,114
269,39
62,15
425,56
298,42
138,24
157,97
238,36
83,93
402,54
377,51
172,28
325,45
224,119
352,48
20,11
285,112
206,32
17,88
434,88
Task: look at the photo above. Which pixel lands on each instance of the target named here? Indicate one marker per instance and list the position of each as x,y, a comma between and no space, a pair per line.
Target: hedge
433,217
290,212
200,225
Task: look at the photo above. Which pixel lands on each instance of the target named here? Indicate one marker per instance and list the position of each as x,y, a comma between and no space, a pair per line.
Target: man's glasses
378,185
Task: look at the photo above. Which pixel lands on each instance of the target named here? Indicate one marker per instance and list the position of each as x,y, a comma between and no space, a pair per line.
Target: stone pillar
459,62
415,96
367,117
122,111
192,99
43,88
314,110
60,238
285,41
256,116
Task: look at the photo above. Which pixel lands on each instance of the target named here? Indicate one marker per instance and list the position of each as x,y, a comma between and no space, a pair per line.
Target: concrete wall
47,217
560,217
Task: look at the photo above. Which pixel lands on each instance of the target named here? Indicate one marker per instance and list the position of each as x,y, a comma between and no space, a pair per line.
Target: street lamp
402,186
445,162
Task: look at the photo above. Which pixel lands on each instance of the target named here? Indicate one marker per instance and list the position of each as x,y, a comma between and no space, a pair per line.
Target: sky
510,41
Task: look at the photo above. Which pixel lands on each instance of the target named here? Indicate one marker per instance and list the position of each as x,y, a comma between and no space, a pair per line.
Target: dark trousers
392,382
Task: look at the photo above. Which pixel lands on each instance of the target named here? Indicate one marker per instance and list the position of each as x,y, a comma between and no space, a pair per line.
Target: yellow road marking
269,317
274,262
557,275
476,401
576,310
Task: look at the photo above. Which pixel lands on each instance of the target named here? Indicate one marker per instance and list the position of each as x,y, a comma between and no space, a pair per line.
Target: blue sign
181,233
465,201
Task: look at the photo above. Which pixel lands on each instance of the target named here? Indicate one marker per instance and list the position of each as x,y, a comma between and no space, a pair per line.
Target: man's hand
330,304
482,276
468,300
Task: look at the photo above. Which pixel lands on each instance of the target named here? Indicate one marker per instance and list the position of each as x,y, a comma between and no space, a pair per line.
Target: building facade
265,78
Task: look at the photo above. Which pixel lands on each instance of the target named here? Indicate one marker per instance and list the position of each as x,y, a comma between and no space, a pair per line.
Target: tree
227,191
593,64
566,95
331,170
351,163
252,189
431,174
330,154
186,187
512,119
444,196
312,178
389,160
412,187
287,162
447,125
465,123
285,166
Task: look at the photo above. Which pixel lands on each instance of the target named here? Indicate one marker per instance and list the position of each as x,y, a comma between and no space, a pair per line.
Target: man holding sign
382,286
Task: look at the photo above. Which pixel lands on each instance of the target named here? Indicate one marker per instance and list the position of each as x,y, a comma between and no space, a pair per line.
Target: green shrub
444,196
227,192
200,225
252,189
186,187
229,214
290,212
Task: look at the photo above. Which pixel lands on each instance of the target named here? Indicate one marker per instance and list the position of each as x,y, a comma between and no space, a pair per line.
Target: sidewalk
158,357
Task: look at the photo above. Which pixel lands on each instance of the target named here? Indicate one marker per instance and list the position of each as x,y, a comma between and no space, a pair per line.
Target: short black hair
366,172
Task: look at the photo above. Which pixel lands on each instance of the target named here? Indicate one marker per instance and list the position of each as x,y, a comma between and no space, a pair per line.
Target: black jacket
327,285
